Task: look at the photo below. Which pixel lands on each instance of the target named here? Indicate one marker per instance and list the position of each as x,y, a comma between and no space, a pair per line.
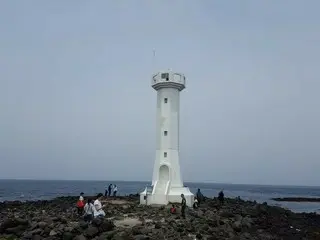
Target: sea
27,190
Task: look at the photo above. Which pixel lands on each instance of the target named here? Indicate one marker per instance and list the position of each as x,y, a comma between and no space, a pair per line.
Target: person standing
200,197
81,196
106,192
109,190
115,190
183,206
221,197
80,204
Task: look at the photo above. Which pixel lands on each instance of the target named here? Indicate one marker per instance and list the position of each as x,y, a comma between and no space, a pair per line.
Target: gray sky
76,100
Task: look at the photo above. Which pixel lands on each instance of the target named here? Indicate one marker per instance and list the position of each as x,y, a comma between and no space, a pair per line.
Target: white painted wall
167,119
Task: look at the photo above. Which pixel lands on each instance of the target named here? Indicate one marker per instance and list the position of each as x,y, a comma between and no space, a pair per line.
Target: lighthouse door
163,180
164,173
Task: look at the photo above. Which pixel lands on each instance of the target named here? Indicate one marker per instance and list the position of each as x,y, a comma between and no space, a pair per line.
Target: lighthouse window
166,100
165,154
165,133
165,76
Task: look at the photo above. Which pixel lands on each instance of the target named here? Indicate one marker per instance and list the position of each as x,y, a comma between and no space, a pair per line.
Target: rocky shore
126,219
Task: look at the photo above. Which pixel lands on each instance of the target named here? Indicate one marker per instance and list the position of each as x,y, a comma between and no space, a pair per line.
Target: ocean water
25,190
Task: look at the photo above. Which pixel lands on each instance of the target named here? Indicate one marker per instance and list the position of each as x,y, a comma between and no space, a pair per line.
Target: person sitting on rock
183,206
221,197
88,211
115,190
173,209
195,203
98,206
80,204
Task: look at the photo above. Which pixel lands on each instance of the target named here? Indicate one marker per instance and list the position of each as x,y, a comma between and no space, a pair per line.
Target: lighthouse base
150,197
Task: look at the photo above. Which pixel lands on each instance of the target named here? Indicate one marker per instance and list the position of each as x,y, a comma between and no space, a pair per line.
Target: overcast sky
76,100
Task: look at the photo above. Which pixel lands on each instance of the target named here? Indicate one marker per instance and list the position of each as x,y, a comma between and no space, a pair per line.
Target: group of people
198,199
91,209
173,209
111,190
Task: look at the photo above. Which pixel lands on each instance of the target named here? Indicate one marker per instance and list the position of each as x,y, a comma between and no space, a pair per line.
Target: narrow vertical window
166,100
165,133
165,154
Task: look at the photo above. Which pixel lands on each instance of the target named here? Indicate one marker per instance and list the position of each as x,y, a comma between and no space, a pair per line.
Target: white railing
154,187
167,188
175,77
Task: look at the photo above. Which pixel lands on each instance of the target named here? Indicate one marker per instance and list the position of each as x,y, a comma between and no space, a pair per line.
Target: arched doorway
164,173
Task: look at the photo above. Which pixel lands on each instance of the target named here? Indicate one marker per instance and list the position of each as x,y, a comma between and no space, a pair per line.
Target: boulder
67,236
91,232
237,226
141,237
106,226
42,225
80,237
53,233
13,223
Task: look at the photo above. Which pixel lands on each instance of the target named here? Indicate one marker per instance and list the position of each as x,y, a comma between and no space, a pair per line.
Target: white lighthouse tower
167,185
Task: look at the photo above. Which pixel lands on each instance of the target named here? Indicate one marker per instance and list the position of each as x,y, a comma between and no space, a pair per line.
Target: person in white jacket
98,207
115,190
89,211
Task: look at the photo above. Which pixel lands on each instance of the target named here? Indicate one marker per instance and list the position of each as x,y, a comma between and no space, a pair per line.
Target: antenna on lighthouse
154,61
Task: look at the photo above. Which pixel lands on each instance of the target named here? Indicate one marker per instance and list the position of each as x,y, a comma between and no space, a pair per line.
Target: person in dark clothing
199,196
110,189
221,197
183,206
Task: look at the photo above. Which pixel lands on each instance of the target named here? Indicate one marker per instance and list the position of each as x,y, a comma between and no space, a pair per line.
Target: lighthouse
167,185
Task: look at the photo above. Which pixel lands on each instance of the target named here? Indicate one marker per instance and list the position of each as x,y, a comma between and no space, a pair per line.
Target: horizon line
144,181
